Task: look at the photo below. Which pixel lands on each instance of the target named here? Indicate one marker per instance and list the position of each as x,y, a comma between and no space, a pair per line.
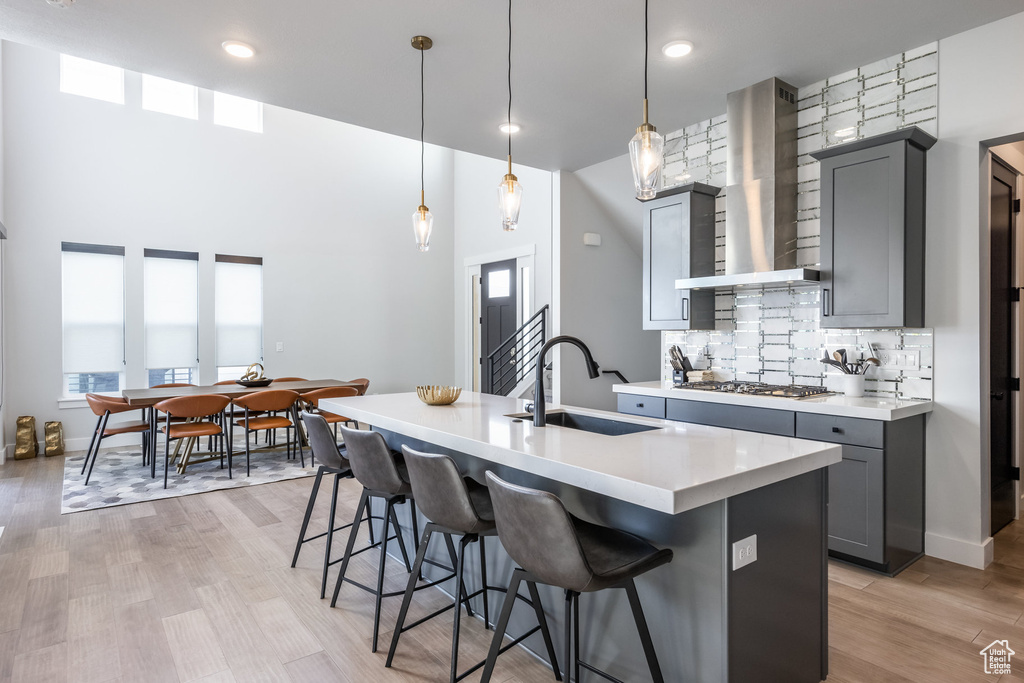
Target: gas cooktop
757,389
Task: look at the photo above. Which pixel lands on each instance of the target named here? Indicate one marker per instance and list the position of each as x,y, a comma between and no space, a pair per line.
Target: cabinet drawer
846,430
746,418
648,406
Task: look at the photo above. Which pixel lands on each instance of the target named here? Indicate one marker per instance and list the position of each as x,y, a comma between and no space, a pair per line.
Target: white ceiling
577,66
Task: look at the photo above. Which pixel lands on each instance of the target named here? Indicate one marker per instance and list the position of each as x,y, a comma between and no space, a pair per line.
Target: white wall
981,97
600,290
327,205
3,288
479,237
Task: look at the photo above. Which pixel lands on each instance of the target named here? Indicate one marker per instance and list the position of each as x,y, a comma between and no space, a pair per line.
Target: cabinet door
666,259
862,237
856,504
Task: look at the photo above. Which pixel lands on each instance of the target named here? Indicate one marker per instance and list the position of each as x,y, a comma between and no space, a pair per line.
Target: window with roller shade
238,297
171,313
92,317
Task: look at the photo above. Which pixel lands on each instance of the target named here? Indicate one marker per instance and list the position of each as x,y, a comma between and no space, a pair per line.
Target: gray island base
766,621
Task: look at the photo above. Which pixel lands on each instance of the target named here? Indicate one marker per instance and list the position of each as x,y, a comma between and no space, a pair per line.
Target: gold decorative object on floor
25,446
438,395
53,433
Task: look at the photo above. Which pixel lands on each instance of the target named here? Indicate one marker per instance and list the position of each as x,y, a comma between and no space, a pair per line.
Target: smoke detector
60,3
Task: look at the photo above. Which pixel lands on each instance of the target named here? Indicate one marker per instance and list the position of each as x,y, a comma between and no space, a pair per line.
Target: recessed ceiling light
509,128
237,49
677,48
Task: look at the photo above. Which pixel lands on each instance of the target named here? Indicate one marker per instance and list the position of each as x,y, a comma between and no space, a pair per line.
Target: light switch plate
280,347
744,552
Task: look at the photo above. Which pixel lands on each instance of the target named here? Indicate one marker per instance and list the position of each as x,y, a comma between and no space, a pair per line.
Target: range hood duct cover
760,203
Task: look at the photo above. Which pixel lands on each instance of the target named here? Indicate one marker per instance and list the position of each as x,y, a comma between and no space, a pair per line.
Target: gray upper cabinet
872,230
679,242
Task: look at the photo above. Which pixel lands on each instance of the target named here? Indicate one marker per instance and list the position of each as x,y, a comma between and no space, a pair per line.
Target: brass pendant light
510,192
422,220
646,149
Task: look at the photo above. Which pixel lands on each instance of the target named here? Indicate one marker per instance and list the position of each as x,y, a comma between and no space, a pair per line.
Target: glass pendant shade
646,151
510,199
422,224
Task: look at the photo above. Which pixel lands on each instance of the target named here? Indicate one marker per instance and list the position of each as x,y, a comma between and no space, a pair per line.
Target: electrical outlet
280,347
900,359
744,552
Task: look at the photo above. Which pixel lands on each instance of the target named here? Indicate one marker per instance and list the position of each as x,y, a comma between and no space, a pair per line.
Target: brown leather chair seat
272,422
187,429
127,428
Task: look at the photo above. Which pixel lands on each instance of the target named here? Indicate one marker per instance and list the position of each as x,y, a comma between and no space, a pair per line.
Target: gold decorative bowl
438,395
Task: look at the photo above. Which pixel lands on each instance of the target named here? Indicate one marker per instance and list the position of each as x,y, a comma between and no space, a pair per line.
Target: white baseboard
968,553
80,444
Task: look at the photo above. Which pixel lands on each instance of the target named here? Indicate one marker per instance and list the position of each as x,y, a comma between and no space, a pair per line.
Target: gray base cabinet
679,242
876,494
872,231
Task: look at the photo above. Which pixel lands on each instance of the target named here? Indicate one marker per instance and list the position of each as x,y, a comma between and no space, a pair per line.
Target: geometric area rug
118,478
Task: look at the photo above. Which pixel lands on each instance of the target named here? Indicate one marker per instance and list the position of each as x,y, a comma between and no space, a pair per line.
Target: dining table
146,398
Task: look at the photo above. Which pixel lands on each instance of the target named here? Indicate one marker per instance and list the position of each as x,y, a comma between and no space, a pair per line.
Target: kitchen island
695,489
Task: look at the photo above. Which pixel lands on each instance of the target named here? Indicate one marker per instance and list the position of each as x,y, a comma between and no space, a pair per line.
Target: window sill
69,402
66,403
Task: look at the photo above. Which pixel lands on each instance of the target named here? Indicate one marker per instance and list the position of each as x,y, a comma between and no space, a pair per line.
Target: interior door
1004,182
498,317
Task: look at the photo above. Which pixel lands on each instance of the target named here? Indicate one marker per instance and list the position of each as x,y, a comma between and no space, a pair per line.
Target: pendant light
646,149
422,220
510,192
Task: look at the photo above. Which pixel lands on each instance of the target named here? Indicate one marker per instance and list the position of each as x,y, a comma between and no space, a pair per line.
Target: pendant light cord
510,81
646,3
422,127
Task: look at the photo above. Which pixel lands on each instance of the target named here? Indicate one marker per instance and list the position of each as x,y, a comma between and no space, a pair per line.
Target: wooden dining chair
269,401
199,413
364,384
103,407
313,398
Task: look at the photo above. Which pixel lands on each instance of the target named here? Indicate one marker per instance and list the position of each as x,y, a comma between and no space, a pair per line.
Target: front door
497,316
1004,182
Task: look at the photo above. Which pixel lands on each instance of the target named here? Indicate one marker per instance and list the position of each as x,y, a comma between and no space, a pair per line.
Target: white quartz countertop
866,407
671,469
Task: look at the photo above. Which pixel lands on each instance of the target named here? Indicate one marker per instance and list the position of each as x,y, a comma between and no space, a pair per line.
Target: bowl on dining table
254,383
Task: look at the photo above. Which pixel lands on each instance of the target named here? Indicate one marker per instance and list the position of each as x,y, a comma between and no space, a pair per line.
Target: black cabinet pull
997,395
837,430
639,405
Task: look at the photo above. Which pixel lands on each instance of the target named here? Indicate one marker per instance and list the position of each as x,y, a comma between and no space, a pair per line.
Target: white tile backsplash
777,339
774,335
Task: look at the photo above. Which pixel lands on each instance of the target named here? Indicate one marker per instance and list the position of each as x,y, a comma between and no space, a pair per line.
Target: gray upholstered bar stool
457,505
380,471
325,449
552,546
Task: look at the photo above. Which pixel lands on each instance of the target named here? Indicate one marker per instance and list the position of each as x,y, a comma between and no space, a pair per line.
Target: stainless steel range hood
760,204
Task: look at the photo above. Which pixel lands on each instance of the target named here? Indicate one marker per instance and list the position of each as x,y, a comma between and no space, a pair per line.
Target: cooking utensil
866,363
835,364
687,366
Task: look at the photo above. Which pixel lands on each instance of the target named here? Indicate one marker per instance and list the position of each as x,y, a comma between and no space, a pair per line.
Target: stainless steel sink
588,423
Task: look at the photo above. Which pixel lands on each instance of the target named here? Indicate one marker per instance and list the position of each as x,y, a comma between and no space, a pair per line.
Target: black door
497,316
1001,351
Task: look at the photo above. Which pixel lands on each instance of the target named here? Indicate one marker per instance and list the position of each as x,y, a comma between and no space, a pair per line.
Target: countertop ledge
866,407
672,468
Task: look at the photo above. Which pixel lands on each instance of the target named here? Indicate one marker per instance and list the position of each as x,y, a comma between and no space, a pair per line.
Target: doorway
498,299
1003,207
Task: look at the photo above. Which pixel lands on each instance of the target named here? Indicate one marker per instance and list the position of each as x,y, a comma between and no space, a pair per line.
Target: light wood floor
199,589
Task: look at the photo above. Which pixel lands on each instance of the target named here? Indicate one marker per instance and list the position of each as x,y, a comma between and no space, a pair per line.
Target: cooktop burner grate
757,389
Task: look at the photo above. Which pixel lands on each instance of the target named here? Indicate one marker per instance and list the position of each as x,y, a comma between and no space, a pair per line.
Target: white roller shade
171,300
239,313
92,299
